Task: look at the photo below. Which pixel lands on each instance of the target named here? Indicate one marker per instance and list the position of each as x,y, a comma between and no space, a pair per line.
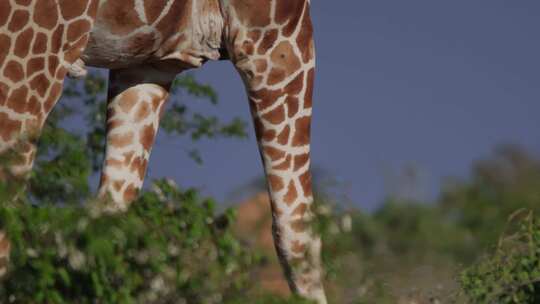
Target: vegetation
471,245
512,274
478,242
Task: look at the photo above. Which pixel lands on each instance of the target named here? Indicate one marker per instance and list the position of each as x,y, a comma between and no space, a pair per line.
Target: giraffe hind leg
136,99
278,72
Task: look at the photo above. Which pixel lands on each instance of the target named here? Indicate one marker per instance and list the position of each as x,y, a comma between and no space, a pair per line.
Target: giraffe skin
145,43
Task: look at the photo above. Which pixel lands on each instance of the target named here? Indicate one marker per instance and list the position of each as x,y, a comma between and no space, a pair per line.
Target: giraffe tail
5,247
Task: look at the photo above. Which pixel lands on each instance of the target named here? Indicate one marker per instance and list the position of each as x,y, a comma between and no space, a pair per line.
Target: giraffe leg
39,41
136,99
283,137
277,65
282,125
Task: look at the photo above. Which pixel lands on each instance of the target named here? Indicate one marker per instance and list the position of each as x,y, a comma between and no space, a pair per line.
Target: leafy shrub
512,274
170,247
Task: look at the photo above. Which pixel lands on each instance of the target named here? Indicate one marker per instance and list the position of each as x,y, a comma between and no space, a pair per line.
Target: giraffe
145,44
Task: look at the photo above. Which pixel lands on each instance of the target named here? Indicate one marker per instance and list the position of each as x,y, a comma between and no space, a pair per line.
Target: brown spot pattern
273,153
284,165
5,10
305,181
302,131
77,29
304,38
300,161
308,98
130,193
112,162
153,8
254,35
147,137
14,71
22,44
275,182
5,42
285,61
267,97
117,185
128,156
298,226
40,83
300,210
298,247
56,90
275,116
8,127
121,140
266,134
139,165
167,24
71,9
261,65
128,100
18,20
285,10
34,65
252,12
295,86
156,102
114,123
33,106
4,89
40,45
268,41
74,52
46,13
292,105
17,99
53,63
283,137
56,41
120,17
142,111
291,194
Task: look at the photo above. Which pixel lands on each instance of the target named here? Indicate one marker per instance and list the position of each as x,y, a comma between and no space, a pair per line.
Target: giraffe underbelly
128,33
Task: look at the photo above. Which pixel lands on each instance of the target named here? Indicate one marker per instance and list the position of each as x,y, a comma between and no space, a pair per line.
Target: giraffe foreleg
133,114
33,59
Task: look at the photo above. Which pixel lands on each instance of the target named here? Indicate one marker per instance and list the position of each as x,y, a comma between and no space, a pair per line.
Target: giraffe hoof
77,69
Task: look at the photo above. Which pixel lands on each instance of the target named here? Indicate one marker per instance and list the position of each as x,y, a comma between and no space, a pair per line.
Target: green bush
512,274
169,246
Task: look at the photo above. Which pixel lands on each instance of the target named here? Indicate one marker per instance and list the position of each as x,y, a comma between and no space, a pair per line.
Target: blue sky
432,84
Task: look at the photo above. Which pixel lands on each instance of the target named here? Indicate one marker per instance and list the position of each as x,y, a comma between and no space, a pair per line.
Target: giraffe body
185,33
145,44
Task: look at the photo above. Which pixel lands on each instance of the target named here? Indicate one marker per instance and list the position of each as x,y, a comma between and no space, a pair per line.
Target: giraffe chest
130,32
